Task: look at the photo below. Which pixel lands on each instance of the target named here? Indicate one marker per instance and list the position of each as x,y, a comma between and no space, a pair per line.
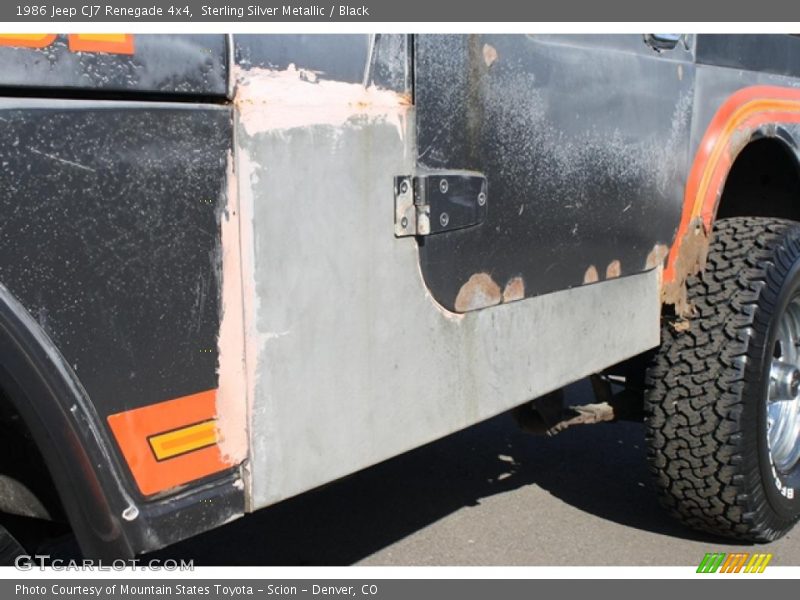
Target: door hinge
436,202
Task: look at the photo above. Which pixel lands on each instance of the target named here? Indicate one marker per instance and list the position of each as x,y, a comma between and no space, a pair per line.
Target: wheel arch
109,520
752,126
764,178
47,396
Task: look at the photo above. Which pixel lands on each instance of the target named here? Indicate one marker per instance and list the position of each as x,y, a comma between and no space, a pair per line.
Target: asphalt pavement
488,495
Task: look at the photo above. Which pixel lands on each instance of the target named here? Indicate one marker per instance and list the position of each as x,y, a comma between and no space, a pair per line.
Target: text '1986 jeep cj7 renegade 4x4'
235,268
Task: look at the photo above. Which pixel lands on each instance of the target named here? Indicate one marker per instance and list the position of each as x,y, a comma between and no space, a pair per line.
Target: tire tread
704,460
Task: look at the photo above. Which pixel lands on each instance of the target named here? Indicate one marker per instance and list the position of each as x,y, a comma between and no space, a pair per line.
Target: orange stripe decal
729,131
170,443
27,40
112,43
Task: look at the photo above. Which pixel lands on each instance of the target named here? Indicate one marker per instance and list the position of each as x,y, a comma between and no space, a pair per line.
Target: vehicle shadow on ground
598,469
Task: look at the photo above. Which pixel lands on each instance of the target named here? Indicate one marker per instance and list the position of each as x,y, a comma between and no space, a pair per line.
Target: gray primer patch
356,363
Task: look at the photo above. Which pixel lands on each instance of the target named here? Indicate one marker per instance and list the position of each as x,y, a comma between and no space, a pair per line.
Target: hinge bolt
443,186
404,222
404,187
444,218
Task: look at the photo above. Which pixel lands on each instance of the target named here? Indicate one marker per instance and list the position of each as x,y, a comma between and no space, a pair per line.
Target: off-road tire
706,388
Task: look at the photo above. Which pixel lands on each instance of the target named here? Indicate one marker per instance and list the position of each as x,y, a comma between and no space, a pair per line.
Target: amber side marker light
183,440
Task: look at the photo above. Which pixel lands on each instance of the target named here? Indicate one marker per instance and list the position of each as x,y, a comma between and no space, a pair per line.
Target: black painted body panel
584,141
383,60
186,65
332,57
110,239
778,54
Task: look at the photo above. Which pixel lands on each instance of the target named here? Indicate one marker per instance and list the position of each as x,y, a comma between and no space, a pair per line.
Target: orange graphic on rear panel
27,40
170,443
113,43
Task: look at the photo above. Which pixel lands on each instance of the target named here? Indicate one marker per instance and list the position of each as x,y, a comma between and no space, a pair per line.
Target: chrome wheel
783,401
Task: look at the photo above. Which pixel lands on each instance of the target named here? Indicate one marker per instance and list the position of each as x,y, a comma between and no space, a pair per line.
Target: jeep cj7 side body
234,268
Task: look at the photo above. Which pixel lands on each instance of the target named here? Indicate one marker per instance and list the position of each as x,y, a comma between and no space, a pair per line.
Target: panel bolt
443,186
481,199
444,218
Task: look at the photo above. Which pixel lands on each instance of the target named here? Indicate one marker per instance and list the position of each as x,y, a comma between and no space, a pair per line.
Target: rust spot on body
614,269
479,291
514,290
681,325
690,261
591,275
657,256
489,54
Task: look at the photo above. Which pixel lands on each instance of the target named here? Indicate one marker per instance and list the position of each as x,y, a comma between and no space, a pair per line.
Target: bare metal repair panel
350,361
